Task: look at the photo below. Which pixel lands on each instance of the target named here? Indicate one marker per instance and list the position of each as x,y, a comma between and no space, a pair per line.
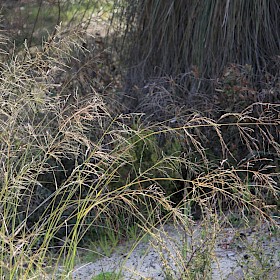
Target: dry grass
69,168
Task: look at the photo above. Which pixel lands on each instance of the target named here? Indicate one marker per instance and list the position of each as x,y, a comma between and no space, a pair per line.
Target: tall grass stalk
68,167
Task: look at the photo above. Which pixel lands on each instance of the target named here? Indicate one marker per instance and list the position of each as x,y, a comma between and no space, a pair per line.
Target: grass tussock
73,169
197,40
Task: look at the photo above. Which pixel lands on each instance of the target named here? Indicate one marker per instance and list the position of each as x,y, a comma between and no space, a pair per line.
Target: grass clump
106,276
194,41
61,157
74,169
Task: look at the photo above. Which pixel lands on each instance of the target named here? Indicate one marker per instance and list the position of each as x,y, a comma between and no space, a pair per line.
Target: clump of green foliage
106,276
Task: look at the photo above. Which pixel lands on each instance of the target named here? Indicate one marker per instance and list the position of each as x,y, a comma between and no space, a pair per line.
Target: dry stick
35,23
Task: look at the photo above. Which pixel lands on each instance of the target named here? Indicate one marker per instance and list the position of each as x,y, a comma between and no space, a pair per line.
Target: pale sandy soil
230,257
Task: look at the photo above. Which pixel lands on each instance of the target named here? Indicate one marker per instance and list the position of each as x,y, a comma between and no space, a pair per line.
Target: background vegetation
173,116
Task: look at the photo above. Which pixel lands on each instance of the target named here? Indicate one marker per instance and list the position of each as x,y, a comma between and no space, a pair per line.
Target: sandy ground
229,259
